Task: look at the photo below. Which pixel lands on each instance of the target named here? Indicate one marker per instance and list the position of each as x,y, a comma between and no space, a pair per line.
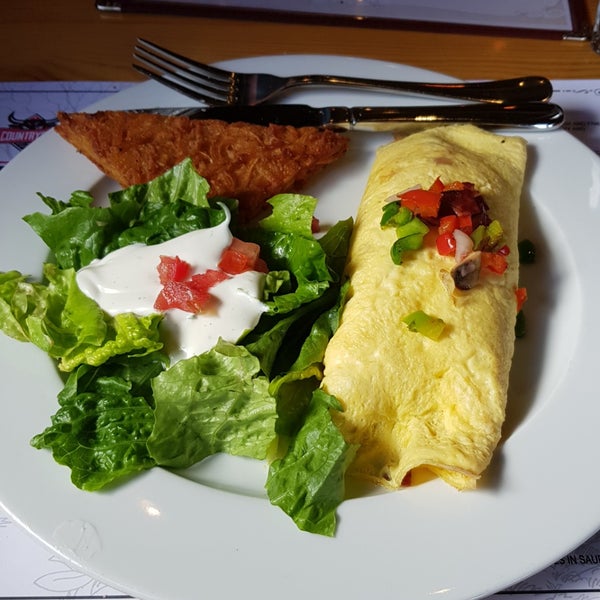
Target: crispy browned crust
249,162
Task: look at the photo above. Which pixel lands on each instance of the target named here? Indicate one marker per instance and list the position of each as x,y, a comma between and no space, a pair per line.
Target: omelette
413,403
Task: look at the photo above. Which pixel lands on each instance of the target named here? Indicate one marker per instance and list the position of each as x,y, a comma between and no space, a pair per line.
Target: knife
541,116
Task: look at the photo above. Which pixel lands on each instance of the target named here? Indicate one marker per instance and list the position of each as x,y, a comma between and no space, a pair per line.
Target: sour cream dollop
127,280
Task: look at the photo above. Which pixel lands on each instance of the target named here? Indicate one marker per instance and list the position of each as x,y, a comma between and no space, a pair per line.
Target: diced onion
464,245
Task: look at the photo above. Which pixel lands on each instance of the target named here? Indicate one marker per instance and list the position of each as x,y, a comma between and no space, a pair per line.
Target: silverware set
518,102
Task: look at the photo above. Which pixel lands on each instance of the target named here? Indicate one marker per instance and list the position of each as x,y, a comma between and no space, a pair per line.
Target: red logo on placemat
21,132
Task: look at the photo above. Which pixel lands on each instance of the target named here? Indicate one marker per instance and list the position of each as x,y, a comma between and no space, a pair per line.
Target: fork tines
197,80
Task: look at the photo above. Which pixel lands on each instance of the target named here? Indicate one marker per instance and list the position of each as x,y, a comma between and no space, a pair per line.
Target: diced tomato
179,294
448,224
494,262
446,244
202,282
505,250
250,249
172,268
191,293
422,202
261,266
521,294
465,223
315,226
233,262
239,257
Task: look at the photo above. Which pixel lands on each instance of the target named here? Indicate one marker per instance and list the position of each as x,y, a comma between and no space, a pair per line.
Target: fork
216,86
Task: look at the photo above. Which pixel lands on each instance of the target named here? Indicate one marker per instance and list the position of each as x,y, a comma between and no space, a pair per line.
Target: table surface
71,40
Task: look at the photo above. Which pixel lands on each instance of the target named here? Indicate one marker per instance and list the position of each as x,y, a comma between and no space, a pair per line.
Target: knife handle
538,115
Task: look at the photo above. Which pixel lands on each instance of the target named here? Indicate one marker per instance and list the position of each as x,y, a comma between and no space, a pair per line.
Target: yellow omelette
411,402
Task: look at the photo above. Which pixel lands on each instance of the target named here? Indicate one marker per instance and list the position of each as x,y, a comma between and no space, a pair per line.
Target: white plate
213,534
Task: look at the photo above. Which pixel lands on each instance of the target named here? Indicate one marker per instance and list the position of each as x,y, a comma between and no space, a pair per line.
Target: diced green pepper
409,242
421,322
413,227
397,252
494,233
487,237
478,236
395,215
410,230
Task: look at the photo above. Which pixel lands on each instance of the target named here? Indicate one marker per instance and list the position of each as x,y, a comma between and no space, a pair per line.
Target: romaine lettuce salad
124,409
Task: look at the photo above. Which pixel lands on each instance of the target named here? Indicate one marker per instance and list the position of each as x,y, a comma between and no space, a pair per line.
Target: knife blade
541,116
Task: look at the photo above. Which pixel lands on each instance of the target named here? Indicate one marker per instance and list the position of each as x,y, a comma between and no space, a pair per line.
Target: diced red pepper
494,262
521,294
446,242
448,224
172,268
422,202
437,186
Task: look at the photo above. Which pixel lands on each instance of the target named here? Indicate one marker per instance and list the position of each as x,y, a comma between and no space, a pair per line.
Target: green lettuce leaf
294,387
291,346
175,203
70,327
288,244
277,339
18,299
103,422
128,334
281,333
308,482
215,402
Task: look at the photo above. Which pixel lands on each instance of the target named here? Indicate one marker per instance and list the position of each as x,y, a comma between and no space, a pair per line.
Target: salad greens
315,464
215,402
58,318
125,409
104,419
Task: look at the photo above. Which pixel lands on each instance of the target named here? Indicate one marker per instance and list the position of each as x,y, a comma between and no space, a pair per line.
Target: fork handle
503,91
